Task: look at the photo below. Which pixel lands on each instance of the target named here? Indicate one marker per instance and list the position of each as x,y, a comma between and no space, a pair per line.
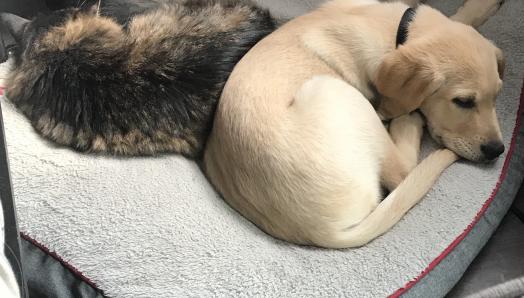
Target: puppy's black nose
492,150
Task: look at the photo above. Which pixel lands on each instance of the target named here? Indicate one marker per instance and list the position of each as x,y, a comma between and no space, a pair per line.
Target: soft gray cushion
154,227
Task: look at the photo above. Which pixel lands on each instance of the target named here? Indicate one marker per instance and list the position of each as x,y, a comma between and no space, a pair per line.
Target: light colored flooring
502,258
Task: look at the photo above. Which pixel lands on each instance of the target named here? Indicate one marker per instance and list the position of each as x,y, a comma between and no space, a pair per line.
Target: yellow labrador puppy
298,148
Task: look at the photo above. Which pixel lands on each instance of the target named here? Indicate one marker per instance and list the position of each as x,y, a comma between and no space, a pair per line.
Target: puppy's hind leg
337,131
476,12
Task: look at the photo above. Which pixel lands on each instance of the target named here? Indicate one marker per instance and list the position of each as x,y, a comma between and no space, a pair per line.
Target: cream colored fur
297,146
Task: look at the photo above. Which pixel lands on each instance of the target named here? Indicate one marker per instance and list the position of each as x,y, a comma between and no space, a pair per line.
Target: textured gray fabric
444,276
510,289
287,9
153,227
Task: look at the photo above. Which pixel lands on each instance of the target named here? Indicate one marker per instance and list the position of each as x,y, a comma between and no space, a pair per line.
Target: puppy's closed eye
464,102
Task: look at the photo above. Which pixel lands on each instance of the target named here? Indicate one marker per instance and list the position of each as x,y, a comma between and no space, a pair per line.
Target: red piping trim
64,263
479,215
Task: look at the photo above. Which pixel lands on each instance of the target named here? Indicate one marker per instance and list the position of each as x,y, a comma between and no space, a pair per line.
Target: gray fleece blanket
154,227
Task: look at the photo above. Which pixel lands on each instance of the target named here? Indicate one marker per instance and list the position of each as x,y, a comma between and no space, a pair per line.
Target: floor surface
502,258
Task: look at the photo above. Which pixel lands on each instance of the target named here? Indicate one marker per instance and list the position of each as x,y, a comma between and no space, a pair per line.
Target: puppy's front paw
412,122
417,119
387,110
490,7
476,12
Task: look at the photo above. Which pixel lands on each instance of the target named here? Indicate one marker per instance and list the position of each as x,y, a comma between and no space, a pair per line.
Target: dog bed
154,227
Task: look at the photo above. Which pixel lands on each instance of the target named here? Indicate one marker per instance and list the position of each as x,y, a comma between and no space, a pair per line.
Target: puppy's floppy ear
405,79
501,62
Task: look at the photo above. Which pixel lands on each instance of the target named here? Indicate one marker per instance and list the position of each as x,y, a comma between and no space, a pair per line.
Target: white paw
476,12
410,120
492,6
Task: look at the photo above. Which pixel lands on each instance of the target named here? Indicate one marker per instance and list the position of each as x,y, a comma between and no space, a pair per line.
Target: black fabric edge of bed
11,233
51,277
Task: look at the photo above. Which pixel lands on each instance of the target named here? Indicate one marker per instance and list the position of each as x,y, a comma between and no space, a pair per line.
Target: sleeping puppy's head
453,75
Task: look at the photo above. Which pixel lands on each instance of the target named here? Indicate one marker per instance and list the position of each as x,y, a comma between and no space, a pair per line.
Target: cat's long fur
135,78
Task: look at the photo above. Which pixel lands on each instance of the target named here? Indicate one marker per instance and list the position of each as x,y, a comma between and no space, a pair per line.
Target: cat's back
138,79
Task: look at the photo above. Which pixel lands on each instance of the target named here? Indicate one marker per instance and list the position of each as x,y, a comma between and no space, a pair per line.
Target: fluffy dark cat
130,77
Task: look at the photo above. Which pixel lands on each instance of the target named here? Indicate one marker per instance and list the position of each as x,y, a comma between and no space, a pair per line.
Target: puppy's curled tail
396,204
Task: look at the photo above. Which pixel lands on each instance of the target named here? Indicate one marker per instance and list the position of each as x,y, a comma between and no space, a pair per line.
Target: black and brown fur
135,77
